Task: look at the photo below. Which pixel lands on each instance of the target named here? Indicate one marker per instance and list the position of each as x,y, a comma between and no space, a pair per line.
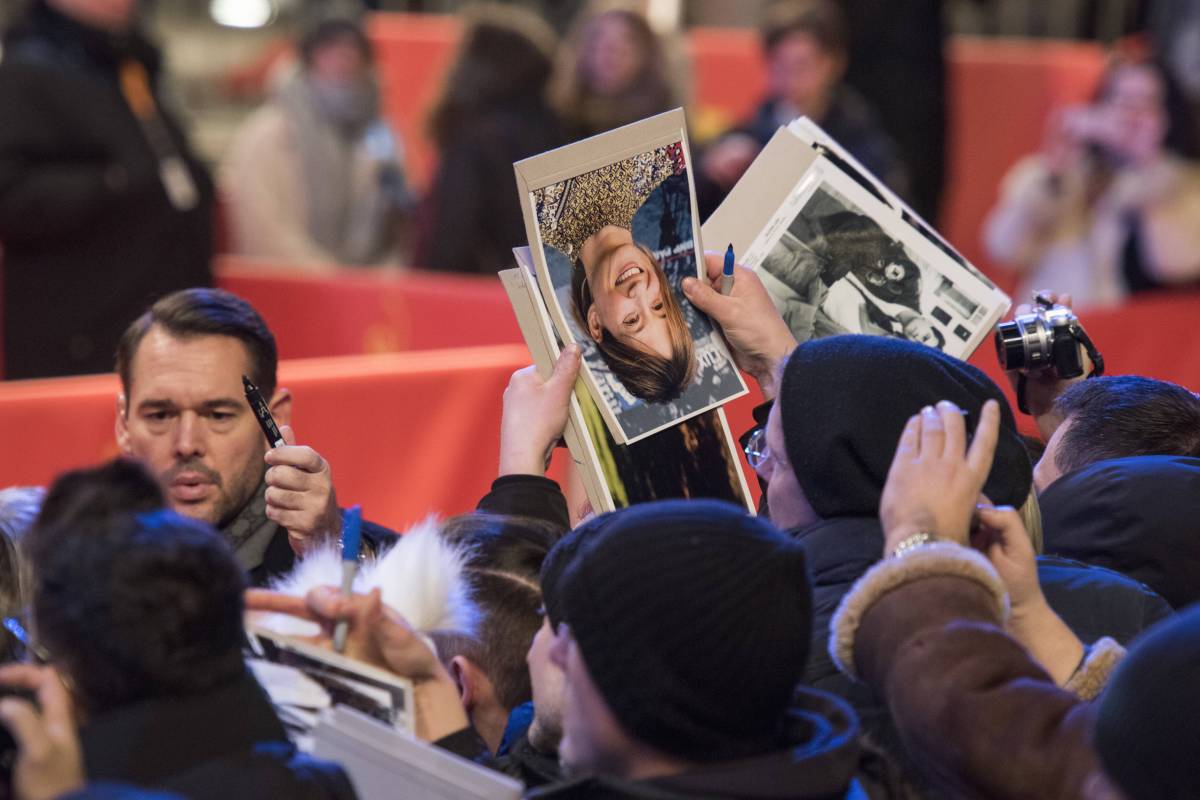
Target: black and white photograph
615,243
834,269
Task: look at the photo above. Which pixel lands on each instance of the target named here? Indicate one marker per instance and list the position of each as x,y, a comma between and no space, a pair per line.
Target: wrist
523,461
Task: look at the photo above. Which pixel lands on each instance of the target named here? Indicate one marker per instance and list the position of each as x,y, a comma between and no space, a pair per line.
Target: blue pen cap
351,533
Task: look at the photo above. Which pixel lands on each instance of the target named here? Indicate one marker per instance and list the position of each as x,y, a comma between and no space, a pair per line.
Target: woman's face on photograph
918,329
627,298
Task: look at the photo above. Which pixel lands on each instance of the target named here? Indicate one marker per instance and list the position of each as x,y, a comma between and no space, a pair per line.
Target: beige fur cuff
940,559
1089,680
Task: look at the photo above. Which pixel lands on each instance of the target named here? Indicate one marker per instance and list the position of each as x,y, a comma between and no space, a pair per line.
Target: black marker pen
262,413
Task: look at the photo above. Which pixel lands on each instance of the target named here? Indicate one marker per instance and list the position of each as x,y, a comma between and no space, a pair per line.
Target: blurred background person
614,72
804,43
103,207
493,110
1109,206
18,509
315,176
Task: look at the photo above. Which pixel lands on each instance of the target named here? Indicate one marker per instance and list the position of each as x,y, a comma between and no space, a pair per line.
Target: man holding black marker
183,412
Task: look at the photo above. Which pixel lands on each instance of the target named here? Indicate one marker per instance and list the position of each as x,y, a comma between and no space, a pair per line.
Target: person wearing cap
685,633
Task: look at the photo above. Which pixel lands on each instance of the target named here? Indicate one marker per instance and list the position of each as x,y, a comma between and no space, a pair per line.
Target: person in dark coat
1137,516
103,207
829,436
805,45
492,112
925,629
163,697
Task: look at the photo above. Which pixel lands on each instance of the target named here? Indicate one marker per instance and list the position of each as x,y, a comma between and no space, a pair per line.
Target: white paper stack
384,763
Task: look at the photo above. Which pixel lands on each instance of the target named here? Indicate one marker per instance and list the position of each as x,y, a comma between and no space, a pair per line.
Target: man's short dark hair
205,312
505,555
1126,415
140,606
510,617
820,19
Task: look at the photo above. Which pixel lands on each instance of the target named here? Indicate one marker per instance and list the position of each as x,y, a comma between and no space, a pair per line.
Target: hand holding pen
757,335
300,494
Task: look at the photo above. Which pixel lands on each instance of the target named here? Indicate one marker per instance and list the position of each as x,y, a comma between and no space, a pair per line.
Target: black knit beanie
554,564
693,619
1146,732
844,401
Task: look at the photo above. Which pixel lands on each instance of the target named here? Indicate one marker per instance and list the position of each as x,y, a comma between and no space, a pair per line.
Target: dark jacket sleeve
468,744
42,195
527,496
979,717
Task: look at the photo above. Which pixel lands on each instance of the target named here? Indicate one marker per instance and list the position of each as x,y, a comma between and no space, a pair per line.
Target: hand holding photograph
839,253
613,230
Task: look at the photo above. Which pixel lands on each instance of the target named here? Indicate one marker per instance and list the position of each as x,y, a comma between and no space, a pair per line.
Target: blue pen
351,540
727,275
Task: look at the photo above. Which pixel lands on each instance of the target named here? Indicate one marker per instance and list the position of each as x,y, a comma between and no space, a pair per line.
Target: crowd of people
927,604
100,186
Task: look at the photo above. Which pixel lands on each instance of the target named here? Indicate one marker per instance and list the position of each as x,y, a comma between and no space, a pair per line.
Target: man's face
592,741
786,502
546,677
801,73
1046,471
187,418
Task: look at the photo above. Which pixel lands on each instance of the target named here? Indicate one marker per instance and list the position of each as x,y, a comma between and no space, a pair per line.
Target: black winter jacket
88,234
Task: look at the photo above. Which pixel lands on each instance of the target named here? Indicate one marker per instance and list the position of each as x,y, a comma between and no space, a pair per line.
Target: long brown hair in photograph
647,375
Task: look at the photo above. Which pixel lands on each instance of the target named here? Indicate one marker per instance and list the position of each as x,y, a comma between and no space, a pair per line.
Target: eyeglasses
756,449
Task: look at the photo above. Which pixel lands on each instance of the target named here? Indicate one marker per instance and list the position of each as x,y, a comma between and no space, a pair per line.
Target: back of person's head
1139,516
821,20
1125,415
1145,731
120,486
503,543
692,619
505,61
844,401
205,312
140,606
504,557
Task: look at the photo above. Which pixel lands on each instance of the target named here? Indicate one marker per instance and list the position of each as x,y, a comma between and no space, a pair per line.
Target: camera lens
1010,346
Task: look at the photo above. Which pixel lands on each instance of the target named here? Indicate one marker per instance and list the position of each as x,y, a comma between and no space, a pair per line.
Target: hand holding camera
1044,349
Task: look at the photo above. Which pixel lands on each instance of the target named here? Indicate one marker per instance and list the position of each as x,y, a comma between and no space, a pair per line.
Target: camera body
1047,339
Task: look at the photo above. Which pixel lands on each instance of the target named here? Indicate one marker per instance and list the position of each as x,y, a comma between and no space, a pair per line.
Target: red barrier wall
350,311
405,434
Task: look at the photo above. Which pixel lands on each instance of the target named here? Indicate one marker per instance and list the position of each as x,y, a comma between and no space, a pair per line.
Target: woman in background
493,111
614,73
1109,207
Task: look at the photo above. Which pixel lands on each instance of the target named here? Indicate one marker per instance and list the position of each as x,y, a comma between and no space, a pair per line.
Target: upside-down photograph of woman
617,242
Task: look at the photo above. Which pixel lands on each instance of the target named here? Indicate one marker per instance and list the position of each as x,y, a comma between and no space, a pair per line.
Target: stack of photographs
304,680
839,252
613,230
